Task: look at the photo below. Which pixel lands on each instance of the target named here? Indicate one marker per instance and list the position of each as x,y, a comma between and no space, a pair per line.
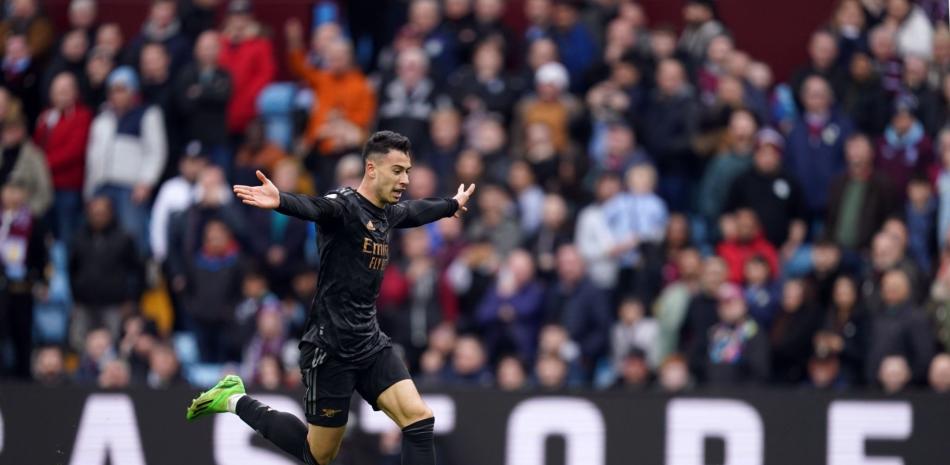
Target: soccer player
343,348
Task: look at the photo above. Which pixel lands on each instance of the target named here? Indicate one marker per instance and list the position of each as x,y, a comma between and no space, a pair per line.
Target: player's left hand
462,198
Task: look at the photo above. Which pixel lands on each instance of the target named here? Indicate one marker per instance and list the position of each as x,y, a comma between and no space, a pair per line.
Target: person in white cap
550,104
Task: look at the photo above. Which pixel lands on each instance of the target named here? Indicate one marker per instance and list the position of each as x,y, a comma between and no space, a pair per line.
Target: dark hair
382,142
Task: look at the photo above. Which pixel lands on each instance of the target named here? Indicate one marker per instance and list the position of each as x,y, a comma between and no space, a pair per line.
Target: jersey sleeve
310,208
412,213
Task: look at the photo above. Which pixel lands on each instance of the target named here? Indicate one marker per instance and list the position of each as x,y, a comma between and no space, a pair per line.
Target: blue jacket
816,160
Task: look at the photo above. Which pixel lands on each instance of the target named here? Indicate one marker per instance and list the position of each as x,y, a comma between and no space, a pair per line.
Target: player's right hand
264,196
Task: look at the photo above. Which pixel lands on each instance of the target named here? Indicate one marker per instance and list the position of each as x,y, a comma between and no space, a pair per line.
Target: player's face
392,176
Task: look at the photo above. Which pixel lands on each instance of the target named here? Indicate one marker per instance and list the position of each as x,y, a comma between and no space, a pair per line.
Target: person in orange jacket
344,104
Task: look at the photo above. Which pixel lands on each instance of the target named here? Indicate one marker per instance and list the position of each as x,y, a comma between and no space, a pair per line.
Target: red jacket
252,67
65,146
736,253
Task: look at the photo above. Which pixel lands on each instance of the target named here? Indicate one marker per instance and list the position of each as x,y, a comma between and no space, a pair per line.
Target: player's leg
386,385
282,428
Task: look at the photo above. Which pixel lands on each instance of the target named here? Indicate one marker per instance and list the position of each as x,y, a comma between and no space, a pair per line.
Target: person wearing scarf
904,150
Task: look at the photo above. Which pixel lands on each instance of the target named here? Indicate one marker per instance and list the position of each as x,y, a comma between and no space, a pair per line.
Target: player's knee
324,457
420,413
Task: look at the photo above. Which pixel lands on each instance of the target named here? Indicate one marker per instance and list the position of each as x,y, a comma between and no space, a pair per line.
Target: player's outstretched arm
300,206
419,212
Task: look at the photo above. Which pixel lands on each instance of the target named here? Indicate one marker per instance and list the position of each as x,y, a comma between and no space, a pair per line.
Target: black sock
417,445
281,428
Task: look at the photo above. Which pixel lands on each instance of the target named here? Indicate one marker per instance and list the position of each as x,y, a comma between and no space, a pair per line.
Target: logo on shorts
369,226
329,412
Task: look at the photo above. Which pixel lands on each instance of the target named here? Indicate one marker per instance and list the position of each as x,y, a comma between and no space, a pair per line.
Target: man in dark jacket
580,306
202,91
668,131
823,61
106,275
769,191
213,290
860,200
898,327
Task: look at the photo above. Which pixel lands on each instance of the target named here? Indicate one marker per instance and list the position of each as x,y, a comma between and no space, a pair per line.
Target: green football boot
215,400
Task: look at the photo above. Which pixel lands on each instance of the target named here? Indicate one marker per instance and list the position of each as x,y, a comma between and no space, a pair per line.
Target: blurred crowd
653,211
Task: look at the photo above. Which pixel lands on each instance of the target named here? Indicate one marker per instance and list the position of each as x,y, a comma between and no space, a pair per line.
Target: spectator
864,100
823,62
106,275
894,374
139,338
824,373
425,20
97,351
575,43
579,307
162,27
511,312
593,237
939,375
914,32
899,328
62,132
619,150
815,150
445,130
550,104
510,375
22,266
671,307
747,242
94,88
268,340
905,149
483,87
943,190
634,371
24,17
270,374
921,220
126,154
916,85
344,103
551,373
158,90
49,367
861,199
762,291
164,370
213,201
21,74
701,310
21,161
666,134
83,16
115,375
278,241
701,27
530,197
489,25
496,221
203,90
212,289
407,101
469,364
634,330
490,140
639,217
550,236
849,25
71,58
713,68
883,42
735,351
674,377
258,153
733,159
110,41
248,56
792,333
460,22
844,333
175,195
